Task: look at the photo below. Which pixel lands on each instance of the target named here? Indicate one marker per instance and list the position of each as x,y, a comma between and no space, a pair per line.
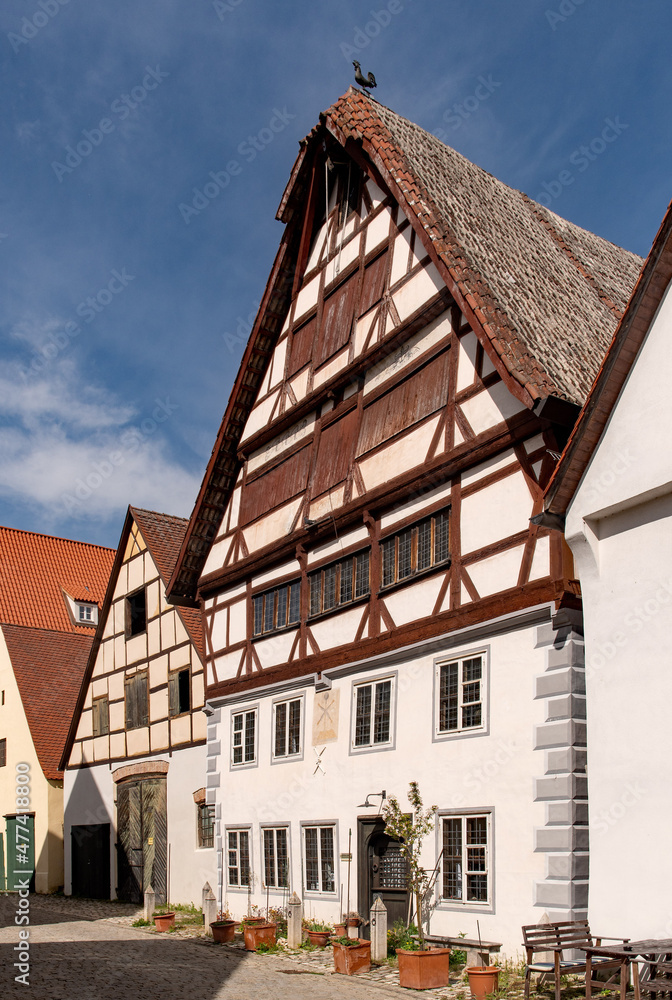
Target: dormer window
86,614
136,613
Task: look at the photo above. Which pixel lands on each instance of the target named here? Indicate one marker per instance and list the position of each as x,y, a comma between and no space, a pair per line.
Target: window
87,614
243,745
179,694
101,716
206,825
238,847
277,608
461,695
318,855
287,728
416,549
373,704
276,859
3,753
136,613
465,859
340,583
136,700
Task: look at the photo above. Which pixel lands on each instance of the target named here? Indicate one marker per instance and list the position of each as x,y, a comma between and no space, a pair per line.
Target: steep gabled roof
544,295
35,570
653,281
48,667
163,535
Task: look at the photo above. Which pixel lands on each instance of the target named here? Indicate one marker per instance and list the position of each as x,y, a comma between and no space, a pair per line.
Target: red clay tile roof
48,667
164,535
545,293
36,569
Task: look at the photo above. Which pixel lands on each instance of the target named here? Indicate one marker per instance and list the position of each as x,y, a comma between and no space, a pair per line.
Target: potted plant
351,955
317,932
258,931
483,979
353,919
164,920
223,928
421,968
339,929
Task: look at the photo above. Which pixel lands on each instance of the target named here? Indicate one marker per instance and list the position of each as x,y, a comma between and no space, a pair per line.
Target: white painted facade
619,526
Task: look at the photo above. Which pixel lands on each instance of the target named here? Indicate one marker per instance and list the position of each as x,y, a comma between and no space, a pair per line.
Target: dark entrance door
382,871
141,839
90,853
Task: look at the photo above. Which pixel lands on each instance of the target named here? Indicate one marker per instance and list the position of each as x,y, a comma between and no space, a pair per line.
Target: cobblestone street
89,950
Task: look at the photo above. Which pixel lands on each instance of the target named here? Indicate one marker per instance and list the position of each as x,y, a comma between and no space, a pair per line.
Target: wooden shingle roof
544,294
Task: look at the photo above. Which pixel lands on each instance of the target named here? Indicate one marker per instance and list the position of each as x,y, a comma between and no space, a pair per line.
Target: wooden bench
566,935
656,977
477,953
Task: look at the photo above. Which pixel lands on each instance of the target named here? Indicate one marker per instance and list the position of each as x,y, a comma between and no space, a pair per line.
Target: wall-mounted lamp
375,795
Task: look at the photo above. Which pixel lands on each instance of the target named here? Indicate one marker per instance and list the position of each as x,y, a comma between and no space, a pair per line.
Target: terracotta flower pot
424,970
349,960
483,979
162,921
339,930
320,938
256,934
352,922
223,930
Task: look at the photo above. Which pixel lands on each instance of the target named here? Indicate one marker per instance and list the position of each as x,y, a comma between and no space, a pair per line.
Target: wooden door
382,872
20,852
141,839
90,853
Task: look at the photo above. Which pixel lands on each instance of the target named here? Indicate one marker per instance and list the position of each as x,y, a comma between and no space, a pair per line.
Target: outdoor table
628,954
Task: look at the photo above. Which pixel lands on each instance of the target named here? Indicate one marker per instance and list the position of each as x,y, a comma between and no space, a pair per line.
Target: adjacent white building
378,607
614,484
135,760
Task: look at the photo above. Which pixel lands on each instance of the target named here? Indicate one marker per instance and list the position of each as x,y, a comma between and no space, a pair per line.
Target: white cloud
73,449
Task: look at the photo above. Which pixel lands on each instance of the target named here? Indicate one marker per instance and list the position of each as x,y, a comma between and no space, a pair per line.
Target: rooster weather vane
364,81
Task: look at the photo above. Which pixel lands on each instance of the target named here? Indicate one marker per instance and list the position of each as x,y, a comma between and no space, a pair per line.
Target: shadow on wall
89,838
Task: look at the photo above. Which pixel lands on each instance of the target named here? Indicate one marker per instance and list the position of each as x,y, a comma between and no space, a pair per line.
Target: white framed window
87,614
465,876
276,857
244,737
461,694
319,858
206,824
287,728
238,858
373,713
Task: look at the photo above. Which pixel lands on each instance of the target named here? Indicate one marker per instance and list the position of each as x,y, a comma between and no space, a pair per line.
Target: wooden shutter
374,283
275,487
337,316
335,453
406,404
301,348
173,694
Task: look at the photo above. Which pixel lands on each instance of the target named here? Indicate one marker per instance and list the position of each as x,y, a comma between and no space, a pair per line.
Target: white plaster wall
90,797
619,527
492,771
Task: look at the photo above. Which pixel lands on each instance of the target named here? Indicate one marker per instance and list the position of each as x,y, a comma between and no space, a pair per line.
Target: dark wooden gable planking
276,486
335,453
338,314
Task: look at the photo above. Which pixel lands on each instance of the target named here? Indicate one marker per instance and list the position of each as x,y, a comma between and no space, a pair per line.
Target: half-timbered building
378,607
134,762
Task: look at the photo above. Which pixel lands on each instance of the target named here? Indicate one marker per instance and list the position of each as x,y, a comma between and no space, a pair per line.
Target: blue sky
122,315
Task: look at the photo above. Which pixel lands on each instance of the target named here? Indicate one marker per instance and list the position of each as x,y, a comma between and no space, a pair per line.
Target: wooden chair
656,977
567,935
